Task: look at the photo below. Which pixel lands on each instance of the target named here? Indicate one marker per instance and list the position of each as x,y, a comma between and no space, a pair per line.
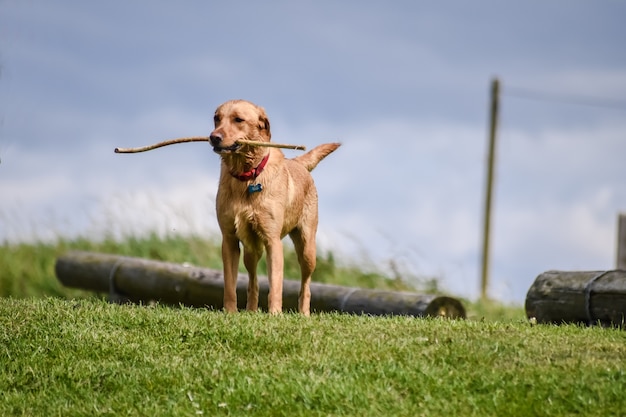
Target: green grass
87,357
65,352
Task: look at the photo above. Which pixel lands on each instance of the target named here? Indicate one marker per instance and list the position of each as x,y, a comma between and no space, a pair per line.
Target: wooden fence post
621,241
493,126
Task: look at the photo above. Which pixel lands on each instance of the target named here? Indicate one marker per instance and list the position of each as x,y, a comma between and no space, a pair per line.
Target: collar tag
254,188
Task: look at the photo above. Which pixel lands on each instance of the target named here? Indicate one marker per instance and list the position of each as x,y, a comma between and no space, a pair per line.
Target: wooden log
141,280
573,297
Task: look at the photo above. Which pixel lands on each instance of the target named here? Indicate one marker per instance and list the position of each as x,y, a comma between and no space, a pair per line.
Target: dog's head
235,120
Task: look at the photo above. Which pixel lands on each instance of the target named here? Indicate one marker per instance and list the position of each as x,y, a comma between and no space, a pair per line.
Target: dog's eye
216,119
238,120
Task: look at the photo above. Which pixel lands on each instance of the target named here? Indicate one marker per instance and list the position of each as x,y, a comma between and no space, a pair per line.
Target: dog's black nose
216,139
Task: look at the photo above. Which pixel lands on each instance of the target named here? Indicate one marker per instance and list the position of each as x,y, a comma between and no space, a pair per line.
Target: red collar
254,172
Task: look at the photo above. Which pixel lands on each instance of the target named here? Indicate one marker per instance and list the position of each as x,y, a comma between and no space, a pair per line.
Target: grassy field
66,352
87,357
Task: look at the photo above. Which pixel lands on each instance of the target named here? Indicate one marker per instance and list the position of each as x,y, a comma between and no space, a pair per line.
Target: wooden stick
271,144
160,144
206,139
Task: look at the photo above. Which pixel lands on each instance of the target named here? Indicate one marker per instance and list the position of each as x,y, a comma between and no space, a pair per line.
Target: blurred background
404,85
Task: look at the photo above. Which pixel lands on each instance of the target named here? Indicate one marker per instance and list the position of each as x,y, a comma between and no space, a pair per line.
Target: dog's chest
248,224
270,212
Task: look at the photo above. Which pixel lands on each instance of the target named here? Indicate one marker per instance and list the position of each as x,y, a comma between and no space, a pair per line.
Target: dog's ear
264,124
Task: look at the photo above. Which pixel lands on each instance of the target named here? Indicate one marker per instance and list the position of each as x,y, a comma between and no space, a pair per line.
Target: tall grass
27,269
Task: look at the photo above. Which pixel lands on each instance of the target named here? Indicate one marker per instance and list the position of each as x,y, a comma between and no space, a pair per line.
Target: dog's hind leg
304,244
251,256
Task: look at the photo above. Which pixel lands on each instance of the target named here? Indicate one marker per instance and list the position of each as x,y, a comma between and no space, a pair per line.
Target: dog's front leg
275,263
251,258
230,258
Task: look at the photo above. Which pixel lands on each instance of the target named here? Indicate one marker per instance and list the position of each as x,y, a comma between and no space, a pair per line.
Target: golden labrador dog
262,197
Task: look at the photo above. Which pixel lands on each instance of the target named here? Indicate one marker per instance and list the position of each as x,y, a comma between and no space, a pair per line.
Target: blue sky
402,84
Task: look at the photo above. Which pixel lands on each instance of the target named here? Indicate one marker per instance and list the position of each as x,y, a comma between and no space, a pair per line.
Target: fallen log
141,280
591,297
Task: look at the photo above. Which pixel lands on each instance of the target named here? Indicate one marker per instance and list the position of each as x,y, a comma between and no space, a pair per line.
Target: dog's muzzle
216,140
225,149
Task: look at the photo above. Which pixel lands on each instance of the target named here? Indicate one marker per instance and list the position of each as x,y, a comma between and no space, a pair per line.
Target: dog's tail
315,155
